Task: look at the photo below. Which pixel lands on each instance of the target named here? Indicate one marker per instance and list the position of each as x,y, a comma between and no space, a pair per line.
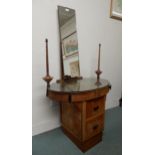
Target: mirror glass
69,42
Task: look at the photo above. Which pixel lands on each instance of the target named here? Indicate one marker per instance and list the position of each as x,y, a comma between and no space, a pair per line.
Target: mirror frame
63,77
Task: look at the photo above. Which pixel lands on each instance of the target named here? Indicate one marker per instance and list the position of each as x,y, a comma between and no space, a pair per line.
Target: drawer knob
96,108
95,127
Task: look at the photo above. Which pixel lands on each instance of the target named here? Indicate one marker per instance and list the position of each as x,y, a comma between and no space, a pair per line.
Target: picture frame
70,45
74,68
116,9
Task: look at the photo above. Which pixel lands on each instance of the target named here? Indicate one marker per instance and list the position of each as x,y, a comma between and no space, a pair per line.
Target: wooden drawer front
83,96
93,127
89,95
102,92
59,97
95,107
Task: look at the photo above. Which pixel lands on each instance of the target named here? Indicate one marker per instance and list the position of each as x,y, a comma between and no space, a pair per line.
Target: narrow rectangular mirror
68,42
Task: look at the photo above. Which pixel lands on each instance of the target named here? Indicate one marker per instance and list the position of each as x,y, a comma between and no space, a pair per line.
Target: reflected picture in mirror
69,42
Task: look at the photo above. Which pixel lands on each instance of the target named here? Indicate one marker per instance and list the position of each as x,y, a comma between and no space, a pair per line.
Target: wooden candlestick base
48,79
98,72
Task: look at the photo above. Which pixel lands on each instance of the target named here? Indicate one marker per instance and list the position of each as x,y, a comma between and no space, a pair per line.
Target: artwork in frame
116,9
70,45
74,68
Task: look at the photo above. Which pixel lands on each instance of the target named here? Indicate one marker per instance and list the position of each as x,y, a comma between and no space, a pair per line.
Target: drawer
83,96
95,107
102,92
59,97
93,127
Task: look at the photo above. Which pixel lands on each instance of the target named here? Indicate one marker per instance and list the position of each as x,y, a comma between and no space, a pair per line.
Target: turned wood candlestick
47,78
98,71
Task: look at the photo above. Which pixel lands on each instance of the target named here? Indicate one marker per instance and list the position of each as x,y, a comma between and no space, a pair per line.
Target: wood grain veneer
82,114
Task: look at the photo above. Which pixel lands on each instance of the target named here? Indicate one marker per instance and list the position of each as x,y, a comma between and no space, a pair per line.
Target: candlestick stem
98,72
47,78
99,57
47,63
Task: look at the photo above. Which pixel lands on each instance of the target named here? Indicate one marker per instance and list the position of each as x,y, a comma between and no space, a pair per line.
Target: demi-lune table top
83,85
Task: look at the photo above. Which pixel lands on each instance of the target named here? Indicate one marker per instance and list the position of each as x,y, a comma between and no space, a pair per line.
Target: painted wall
94,26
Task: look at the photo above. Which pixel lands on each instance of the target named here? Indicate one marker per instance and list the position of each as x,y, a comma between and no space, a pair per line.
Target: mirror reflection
69,41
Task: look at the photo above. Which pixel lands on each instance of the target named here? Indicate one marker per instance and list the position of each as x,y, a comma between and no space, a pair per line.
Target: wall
93,26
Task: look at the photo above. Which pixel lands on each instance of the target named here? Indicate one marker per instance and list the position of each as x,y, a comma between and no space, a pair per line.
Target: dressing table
82,109
82,100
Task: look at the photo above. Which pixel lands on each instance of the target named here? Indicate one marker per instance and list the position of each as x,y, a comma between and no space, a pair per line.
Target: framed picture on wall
116,9
70,44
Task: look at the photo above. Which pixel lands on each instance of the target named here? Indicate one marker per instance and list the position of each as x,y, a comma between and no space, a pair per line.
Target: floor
56,143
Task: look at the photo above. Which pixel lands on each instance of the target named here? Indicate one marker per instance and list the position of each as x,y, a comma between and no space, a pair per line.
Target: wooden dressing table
82,101
82,109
